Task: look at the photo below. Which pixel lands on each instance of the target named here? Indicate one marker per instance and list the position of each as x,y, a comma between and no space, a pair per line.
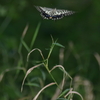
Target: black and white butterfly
54,14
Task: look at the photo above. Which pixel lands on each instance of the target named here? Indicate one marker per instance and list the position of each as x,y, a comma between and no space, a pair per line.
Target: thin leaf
34,50
64,92
61,99
58,44
51,49
22,37
33,84
35,35
35,98
25,45
28,72
73,92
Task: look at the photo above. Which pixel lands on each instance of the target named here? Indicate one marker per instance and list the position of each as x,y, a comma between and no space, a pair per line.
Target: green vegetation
49,60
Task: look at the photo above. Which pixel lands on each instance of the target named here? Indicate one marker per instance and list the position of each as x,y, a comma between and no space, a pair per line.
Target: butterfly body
54,14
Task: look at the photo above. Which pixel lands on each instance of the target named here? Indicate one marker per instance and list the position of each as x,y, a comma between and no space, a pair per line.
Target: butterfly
53,14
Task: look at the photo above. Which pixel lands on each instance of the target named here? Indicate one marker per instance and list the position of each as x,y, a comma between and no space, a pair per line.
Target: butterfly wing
54,14
65,12
43,9
45,12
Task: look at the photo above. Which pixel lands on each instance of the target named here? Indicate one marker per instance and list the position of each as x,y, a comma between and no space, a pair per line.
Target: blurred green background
79,33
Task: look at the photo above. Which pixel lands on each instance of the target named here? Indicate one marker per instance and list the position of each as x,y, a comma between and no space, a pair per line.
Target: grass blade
35,35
